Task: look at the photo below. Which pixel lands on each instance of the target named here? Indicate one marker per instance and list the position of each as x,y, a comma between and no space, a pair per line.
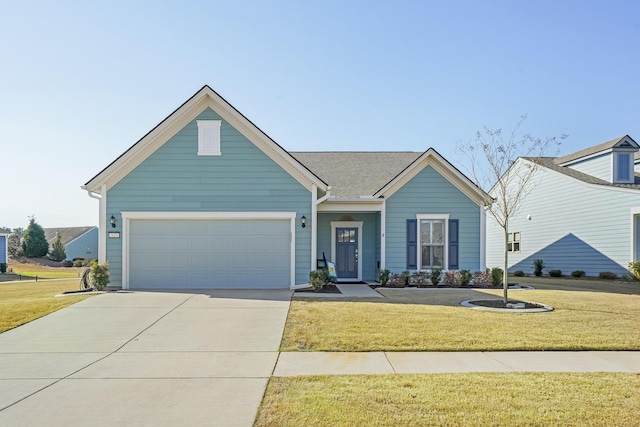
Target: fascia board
351,205
433,159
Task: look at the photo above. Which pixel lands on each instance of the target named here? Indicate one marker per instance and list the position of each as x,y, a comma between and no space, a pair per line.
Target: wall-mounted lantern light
113,221
303,221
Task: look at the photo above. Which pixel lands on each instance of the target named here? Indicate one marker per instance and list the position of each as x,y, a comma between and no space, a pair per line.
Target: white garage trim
127,216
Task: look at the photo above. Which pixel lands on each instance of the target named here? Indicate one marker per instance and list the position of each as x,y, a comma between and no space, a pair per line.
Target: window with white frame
624,167
433,241
513,242
209,137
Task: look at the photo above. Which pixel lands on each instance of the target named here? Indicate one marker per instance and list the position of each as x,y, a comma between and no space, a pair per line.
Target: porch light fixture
303,221
113,221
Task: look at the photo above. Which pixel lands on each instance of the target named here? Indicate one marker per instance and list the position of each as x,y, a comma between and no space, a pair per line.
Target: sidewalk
327,363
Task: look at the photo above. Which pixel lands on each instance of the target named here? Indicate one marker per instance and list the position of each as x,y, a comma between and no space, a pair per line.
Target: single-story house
582,212
208,200
4,249
78,242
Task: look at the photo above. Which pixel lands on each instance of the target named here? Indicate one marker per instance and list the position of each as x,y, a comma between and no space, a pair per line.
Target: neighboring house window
433,237
624,167
209,137
513,242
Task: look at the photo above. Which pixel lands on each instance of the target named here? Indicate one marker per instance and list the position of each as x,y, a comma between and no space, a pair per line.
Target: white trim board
203,216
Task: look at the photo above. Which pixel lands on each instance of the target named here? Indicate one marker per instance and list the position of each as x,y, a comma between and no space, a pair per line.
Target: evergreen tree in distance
34,244
58,253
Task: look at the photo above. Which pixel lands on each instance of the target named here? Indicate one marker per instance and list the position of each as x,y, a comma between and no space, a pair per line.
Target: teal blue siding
3,249
243,178
370,250
85,246
431,193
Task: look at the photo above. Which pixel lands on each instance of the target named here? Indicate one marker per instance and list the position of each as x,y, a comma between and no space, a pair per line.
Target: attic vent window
209,137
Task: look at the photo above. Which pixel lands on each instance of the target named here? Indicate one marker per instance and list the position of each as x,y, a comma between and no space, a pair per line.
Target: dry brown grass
496,399
433,320
44,271
22,302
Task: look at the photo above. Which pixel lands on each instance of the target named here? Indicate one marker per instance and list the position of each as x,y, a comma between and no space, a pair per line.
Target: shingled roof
352,174
589,151
67,234
552,163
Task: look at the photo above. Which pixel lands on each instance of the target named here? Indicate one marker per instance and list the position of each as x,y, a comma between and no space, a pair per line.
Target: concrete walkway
144,358
328,363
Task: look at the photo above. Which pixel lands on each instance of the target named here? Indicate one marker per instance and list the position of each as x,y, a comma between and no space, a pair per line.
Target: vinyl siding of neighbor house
3,249
241,179
573,226
599,166
430,193
369,253
85,246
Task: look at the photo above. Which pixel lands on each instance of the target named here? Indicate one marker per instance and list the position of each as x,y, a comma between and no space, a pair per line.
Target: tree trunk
505,275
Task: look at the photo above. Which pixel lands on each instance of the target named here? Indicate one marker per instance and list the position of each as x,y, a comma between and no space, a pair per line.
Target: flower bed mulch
495,303
326,289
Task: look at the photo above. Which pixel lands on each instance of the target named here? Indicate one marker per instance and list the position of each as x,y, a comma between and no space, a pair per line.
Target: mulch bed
495,303
326,289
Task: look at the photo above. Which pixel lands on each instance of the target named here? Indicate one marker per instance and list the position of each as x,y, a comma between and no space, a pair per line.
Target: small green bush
555,273
384,277
436,275
538,265
67,264
608,275
406,275
99,275
578,273
496,276
465,277
518,273
3,267
634,269
318,278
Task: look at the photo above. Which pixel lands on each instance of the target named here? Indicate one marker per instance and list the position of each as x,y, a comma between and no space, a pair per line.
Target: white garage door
209,253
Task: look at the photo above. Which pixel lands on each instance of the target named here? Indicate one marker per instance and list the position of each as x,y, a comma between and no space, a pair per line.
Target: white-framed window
513,242
432,241
623,168
209,137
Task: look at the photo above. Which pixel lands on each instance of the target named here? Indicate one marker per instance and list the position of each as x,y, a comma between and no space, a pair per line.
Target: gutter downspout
314,222
102,221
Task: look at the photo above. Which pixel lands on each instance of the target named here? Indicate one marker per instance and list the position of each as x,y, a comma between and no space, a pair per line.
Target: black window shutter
453,244
412,244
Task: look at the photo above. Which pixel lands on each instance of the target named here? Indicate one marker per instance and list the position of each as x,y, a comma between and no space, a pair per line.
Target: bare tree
493,168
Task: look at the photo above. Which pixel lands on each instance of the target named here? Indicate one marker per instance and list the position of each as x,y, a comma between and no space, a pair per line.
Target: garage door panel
216,253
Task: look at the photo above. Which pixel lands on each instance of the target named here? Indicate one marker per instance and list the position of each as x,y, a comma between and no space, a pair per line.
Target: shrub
538,265
451,279
406,275
608,275
318,278
578,273
34,244
555,273
396,281
518,273
419,279
99,275
481,279
78,262
634,269
436,275
67,264
384,277
3,267
13,246
465,277
496,276
58,253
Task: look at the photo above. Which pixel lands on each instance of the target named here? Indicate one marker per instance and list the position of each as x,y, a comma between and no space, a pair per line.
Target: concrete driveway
144,359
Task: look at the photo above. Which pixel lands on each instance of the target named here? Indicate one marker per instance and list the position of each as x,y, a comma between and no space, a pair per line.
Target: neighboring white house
582,213
79,242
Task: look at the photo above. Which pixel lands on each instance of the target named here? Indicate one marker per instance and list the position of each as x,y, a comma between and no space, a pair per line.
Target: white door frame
348,224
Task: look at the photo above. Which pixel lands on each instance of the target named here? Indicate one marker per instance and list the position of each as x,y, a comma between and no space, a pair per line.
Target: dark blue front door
347,253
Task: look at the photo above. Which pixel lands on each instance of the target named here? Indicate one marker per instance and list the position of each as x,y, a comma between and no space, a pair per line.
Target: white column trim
102,226
483,238
383,239
314,226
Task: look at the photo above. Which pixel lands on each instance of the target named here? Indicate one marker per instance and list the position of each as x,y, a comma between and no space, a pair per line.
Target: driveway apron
144,358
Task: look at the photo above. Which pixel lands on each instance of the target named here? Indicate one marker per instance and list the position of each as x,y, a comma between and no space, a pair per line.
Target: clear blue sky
80,82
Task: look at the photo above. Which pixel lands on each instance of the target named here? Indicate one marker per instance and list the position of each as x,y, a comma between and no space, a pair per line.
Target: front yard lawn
433,320
495,399
22,302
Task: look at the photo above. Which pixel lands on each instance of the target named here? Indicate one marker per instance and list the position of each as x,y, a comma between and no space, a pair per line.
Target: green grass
496,399
43,271
22,302
433,320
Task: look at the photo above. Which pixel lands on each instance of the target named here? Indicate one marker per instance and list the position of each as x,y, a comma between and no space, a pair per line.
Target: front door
347,252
